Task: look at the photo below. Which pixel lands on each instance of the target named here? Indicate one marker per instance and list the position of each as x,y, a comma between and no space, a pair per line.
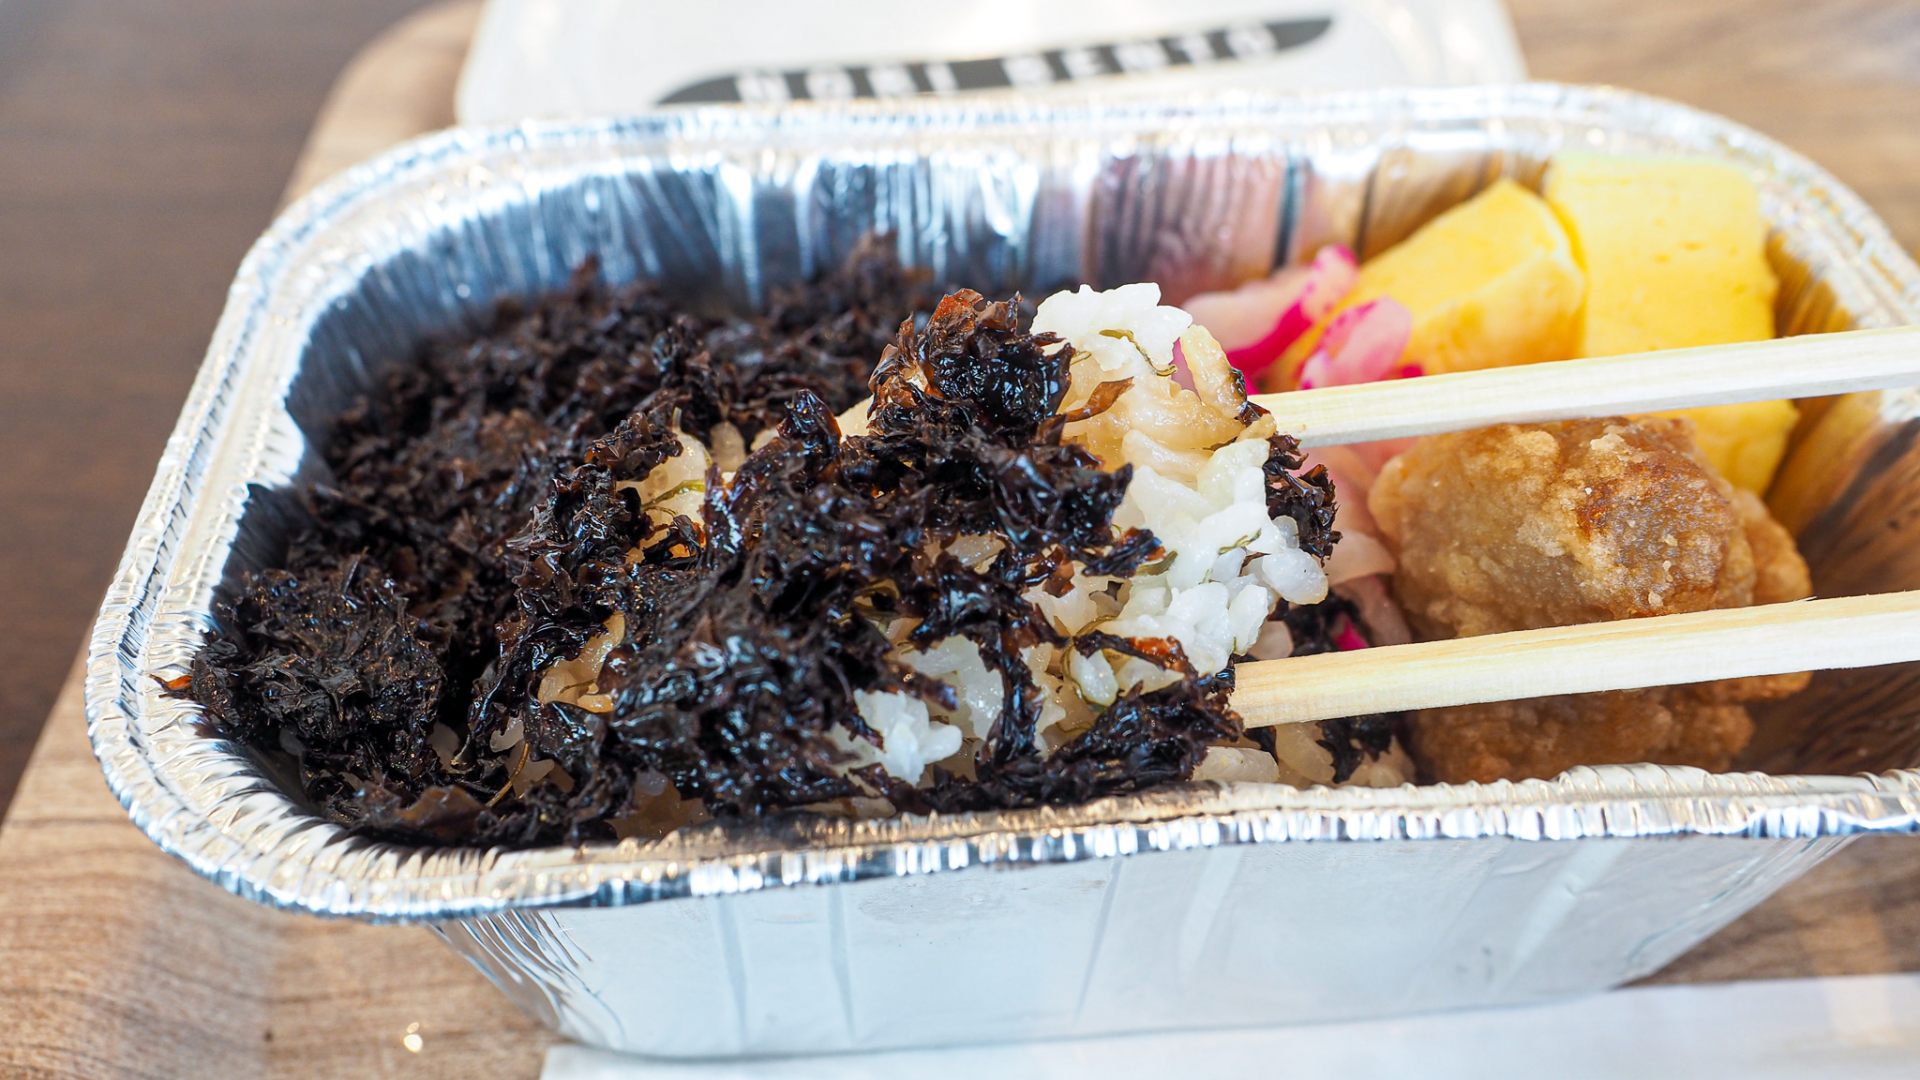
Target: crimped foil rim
203,802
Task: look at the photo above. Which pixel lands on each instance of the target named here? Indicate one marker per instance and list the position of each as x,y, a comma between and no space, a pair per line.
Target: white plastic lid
555,58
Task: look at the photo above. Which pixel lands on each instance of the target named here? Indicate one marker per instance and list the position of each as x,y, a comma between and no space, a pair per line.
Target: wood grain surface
114,960
117,961
143,146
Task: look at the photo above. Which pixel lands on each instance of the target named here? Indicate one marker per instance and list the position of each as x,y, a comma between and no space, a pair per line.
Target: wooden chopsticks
1773,639
1813,365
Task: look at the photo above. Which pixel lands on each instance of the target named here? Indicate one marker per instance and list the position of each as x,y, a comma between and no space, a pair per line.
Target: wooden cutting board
115,960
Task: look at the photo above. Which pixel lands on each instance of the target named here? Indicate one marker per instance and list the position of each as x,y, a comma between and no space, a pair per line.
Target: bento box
1202,905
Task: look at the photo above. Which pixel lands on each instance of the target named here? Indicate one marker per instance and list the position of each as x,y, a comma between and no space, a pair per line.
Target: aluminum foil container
1205,905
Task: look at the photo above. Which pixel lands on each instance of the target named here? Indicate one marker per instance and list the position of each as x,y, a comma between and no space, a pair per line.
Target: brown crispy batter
1517,527
1780,574
1543,737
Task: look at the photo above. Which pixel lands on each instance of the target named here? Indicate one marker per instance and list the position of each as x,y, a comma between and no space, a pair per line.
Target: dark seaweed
483,522
433,473
1354,739
742,653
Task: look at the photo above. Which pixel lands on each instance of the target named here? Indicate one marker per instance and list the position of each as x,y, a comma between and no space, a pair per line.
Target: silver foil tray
1197,905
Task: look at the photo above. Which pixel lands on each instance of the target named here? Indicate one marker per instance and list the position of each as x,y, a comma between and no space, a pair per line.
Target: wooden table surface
143,146
140,151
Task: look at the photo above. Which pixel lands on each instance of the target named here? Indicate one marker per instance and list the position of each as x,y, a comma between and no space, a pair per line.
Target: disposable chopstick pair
1772,639
1663,650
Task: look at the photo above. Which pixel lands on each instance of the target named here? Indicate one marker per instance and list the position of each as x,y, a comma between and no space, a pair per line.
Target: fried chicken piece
1517,527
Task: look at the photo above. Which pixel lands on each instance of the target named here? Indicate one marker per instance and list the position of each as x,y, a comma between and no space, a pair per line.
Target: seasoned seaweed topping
1314,628
746,636
435,471
485,528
